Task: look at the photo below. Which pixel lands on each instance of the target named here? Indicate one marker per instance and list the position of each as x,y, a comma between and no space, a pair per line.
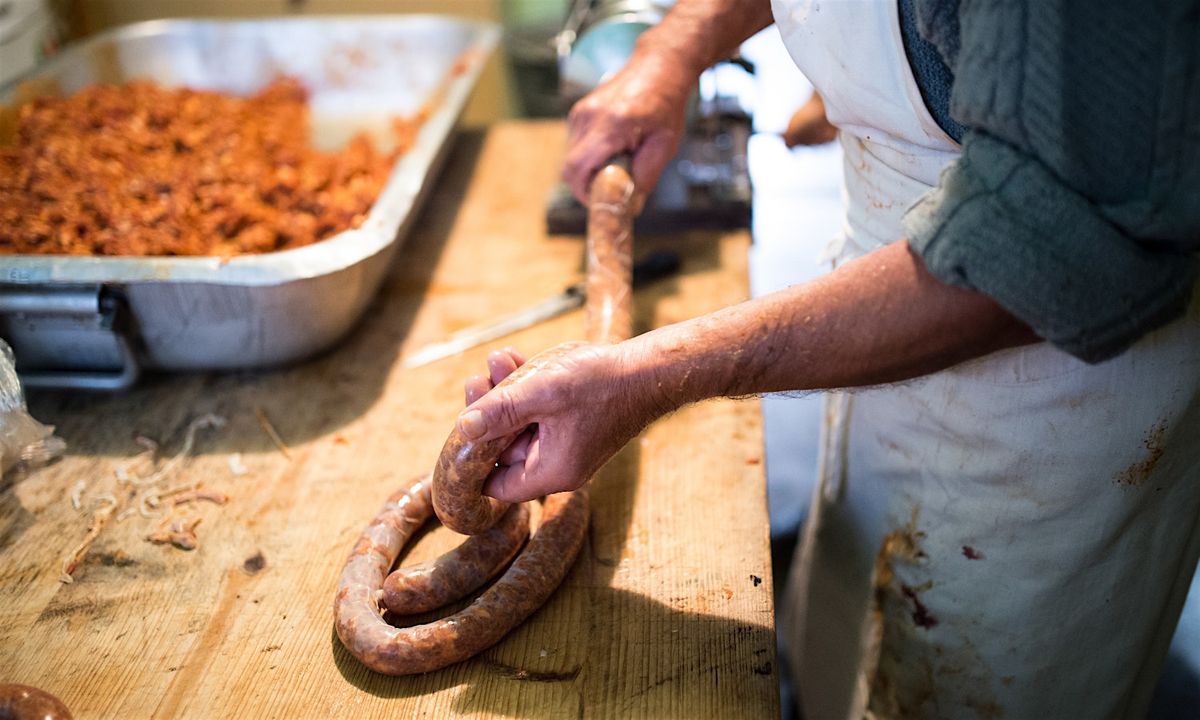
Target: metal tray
94,322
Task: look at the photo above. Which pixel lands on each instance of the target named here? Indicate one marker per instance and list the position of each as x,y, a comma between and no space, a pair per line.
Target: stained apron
1010,538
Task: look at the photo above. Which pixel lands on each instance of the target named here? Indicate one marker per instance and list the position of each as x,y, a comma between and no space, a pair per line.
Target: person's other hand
809,125
573,410
640,110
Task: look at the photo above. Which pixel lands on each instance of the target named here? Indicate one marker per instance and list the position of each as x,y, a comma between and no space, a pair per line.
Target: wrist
643,381
692,361
663,369
676,66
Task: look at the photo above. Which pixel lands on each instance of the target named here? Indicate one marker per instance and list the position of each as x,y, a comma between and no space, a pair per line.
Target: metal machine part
599,37
707,183
202,313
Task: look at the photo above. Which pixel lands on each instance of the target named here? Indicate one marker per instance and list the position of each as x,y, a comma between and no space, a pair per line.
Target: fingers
579,164
493,412
518,451
476,386
524,481
498,413
602,126
502,363
586,157
523,413
507,483
651,158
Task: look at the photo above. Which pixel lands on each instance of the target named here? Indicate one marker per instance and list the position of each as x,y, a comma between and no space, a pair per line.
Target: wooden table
667,613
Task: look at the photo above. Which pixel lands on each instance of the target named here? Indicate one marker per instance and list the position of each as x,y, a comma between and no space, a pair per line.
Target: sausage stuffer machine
707,183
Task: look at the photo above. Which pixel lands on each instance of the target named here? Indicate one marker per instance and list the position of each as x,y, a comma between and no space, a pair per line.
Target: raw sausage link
457,497
430,585
609,267
462,467
523,588
22,702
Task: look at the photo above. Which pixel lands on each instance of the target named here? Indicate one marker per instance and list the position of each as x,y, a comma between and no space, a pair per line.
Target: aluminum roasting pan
116,315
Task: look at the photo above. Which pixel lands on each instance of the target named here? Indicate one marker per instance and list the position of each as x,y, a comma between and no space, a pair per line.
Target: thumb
499,413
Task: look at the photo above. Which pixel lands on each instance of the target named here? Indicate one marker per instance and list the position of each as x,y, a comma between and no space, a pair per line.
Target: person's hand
809,125
575,410
640,110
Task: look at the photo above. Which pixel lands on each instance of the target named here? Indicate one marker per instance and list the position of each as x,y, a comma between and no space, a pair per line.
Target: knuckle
507,410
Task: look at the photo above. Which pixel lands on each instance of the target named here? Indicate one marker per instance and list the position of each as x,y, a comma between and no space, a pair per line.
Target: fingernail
471,423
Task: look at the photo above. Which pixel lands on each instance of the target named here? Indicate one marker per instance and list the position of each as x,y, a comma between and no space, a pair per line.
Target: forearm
697,33
877,319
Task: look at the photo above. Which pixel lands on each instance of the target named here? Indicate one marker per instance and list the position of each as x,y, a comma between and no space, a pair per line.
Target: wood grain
667,614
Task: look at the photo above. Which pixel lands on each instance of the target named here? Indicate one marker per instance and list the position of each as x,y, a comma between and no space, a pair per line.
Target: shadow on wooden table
345,380
725,667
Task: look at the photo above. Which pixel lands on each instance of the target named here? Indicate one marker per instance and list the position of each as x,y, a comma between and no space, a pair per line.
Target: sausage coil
455,493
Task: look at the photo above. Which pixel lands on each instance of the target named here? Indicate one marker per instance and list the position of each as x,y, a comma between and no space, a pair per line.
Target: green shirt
1076,202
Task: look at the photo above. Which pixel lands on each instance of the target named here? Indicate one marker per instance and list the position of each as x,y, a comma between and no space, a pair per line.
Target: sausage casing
610,256
430,585
524,587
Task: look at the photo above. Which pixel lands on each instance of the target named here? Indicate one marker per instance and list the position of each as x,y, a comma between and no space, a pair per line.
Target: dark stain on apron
1140,471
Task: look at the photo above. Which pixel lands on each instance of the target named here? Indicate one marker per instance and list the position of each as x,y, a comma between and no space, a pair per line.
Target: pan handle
24,309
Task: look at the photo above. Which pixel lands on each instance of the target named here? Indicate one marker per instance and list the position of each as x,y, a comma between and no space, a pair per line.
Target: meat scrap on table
142,486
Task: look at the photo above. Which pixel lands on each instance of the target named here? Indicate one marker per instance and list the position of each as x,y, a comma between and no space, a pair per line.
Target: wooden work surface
666,614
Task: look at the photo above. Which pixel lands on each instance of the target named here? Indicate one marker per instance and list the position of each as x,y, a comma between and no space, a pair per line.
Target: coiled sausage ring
455,492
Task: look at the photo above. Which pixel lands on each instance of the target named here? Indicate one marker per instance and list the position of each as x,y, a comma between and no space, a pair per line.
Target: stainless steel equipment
707,184
599,37
96,321
655,266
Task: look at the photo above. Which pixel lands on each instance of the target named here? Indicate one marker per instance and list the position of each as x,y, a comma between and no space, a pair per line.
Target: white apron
1010,538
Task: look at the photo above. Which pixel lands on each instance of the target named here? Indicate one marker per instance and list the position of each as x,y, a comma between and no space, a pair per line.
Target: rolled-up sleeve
1076,201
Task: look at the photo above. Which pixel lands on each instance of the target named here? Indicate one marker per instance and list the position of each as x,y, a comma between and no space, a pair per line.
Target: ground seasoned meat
138,169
